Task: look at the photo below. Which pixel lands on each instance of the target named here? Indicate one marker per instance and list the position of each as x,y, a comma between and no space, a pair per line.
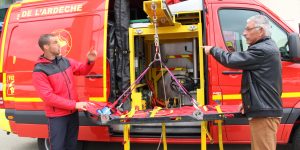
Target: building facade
4,4
287,10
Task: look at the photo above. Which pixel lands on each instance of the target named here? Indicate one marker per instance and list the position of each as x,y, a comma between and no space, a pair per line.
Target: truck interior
131,51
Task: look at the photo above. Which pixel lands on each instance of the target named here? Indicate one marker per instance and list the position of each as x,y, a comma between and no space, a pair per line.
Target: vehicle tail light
1,91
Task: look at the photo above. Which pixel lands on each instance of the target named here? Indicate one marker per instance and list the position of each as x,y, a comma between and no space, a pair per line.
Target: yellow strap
131,113
203,135
126,132
126,137
220,135
218,108
204,108
163,127
123,116
208,134
154,111
164,136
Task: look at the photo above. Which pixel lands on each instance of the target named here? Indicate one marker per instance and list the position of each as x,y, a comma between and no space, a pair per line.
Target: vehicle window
233,22
281,38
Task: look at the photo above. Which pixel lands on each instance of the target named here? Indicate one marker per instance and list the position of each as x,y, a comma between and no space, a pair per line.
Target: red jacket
53,81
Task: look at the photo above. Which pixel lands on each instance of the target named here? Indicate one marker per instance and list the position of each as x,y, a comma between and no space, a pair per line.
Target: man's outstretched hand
81,105
92,55
207,49
241,109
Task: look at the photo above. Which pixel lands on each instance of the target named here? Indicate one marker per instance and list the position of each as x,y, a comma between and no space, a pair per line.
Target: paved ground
118,146
13,142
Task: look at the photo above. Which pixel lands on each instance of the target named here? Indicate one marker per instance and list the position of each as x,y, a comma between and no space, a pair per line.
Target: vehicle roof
255,2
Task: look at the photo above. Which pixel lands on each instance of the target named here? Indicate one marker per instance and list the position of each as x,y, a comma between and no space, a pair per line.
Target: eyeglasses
249,29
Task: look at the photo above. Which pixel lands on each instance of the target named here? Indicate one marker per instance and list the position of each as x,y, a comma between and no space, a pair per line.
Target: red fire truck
122,33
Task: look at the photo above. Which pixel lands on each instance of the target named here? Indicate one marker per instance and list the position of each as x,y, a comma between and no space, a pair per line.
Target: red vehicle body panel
76,19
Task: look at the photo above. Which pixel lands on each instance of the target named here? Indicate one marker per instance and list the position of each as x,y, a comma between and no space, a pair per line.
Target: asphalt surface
13,142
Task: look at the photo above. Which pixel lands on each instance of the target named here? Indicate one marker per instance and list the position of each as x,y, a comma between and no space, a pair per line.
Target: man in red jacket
53,80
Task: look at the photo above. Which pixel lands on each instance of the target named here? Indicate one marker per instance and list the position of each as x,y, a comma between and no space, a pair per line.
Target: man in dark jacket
53,80
261,81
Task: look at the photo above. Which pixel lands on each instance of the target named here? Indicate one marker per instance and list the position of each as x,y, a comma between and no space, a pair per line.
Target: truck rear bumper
4,122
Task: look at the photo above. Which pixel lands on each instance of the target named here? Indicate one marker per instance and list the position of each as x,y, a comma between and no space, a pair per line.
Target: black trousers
63,132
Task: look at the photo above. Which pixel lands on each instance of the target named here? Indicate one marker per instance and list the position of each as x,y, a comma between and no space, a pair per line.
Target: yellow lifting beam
163,14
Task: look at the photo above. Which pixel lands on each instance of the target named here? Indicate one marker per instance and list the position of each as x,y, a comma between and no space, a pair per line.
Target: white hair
263,22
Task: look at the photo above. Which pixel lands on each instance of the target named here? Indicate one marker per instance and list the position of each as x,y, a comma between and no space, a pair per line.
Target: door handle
231,72
94,76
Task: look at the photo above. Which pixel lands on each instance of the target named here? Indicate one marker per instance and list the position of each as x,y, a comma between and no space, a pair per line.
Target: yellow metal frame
104,98
200,91
178,32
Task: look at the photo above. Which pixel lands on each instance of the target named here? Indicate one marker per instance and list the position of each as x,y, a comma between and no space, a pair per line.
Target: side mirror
294,46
